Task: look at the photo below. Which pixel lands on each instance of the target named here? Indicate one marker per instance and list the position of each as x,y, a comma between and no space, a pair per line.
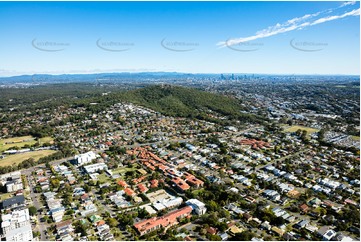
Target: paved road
102,205
190,226
35,196
35,199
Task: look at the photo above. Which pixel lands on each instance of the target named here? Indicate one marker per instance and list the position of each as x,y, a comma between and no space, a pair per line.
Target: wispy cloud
292,24
348,3
354,12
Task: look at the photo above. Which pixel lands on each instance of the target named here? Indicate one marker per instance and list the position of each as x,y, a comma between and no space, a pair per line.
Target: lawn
355,138
46,140
103,178
20,142
123,170
4,196
18,158
5,144
294,128
15,139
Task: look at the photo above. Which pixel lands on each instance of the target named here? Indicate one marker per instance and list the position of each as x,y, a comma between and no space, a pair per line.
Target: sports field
18,158
20,142
294,128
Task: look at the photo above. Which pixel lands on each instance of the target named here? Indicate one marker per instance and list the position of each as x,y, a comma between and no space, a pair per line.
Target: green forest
169,100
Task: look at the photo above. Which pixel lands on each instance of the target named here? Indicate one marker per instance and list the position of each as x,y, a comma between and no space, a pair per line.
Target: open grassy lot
15,139
294,128
5,144
18,158
46,140
103,178
122,170
4,196
20,142
355,138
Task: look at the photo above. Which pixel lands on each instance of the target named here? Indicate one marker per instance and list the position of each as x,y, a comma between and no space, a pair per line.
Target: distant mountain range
141,77
101,77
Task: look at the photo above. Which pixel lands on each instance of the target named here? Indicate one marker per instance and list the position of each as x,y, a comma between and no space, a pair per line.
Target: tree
112,222
213,206
80,228
55,182
87,188
223,150
36,234
69,212
321,134
32,211
244,236
142,213
38,189
224,214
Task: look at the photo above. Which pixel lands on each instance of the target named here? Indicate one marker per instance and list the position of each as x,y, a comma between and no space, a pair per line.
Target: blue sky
196,37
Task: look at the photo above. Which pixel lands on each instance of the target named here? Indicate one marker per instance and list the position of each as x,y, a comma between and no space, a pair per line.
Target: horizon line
189,73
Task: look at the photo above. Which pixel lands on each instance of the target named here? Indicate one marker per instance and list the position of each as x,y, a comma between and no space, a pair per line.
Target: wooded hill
170,100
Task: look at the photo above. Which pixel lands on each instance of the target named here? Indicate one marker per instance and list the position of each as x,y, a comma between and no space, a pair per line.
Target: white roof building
86,158
197,206
16,226
329,234
95,167
167,203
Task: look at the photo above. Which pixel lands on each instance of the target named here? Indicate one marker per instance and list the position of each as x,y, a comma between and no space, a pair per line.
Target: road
37,204
35,197
102,204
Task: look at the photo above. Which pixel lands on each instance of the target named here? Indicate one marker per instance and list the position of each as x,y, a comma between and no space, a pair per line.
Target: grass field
123,170
46,140
355,138
5,144
15,139
18,158
103,178
294,128
20,142
4,196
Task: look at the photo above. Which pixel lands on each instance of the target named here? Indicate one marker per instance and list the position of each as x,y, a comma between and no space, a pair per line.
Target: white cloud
290,25
348,3
307,16
354,12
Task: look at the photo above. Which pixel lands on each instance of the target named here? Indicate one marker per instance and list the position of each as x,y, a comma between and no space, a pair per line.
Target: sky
192,37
